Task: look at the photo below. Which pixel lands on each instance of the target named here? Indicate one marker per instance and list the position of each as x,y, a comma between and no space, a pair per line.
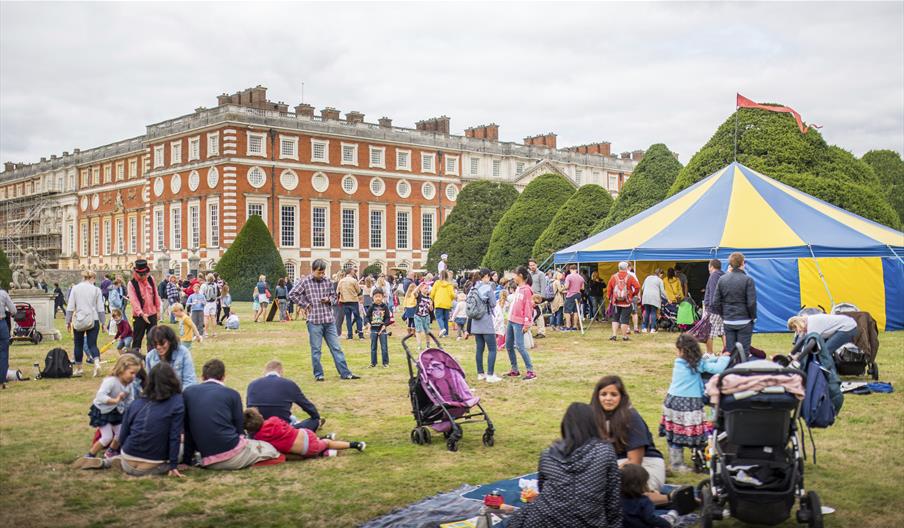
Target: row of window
121,236
194,226
194,150
288,228
92,175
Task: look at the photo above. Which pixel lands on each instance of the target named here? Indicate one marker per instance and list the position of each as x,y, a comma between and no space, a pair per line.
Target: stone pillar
43,306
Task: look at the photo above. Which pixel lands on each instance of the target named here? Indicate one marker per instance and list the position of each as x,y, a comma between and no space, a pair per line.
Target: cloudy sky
83,75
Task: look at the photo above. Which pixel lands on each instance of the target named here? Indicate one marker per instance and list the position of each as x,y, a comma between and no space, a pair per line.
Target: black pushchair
757,467
440,397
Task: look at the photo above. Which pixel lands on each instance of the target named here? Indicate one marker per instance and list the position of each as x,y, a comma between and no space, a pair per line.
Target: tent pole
737,111
821,276
893,252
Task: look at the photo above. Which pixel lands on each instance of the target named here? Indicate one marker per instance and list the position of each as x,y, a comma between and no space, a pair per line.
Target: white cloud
82,75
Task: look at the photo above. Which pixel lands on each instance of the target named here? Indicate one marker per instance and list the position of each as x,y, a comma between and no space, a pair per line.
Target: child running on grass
422,314
110,402
683,422
409,307
288,440
187,326
378,317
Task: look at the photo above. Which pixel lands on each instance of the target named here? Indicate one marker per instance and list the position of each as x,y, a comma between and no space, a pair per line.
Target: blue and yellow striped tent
801,251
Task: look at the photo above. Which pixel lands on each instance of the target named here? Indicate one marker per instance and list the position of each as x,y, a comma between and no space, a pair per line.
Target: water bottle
36,371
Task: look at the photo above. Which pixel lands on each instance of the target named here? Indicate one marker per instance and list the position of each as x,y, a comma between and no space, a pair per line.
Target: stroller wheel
36,337
699,459
425,435
416,436
874,371
452,444
706,513
810,510
488,440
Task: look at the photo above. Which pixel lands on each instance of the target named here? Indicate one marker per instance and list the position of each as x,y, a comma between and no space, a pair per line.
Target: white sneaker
481,377
653,331
645,330
96,368
493,379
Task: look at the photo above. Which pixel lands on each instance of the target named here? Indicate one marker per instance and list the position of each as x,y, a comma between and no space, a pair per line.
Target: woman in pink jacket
521,316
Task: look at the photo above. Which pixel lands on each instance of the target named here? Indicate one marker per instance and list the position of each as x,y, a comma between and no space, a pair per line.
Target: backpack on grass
57,364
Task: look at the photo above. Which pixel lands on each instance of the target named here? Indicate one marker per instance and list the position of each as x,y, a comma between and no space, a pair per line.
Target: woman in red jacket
521,316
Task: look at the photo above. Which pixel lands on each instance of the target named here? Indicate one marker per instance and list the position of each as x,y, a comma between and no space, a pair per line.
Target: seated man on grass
273,395
292,441
215,427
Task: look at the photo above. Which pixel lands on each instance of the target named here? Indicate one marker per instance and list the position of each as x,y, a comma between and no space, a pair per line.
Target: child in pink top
521,317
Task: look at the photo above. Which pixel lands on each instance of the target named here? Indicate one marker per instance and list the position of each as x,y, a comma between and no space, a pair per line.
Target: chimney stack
304,110
8,166
637,155
625,155
385,122
43,160
329,114
354,117
488,132
76,151
547,140
434,124
65,153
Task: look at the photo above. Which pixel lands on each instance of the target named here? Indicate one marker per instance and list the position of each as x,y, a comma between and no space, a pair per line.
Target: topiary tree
771,143
520,226
889,168
466,234
6,273
648,185
574,221
373,269
253,253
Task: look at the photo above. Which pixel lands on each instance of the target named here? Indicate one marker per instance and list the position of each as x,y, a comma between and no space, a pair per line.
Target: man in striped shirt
316,296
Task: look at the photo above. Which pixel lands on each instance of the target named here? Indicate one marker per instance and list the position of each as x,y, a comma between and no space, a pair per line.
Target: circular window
377,187
451,192
257,177
349,184
158,186
213,177
84,203
175,183
320,182
289,180
428,191
403,189
194,180
95,201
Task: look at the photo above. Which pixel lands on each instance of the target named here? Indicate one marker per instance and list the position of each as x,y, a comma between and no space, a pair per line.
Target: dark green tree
372,269
520,226
466,234
771,143
648,185
252,254
574,221
6,273
889,168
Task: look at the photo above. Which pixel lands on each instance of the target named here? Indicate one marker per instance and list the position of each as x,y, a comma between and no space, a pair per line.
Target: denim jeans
352,313
595,304
488,340
376,336
738,334
316,335
4,349
839,338
649,317
514,337
79,345
442,320
557,318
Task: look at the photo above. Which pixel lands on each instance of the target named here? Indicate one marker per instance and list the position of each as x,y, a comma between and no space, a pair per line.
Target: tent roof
738,209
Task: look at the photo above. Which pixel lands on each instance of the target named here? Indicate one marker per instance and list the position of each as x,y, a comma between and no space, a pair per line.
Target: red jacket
633,288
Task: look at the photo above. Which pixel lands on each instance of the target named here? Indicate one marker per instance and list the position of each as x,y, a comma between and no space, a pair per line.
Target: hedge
465,235
771,143
521,226
252,254
6,273
889,168
648,185
574,221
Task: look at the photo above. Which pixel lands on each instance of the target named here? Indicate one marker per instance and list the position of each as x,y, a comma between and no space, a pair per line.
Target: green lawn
44,427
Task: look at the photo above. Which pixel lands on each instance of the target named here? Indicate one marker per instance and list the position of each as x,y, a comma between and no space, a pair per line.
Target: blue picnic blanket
508,488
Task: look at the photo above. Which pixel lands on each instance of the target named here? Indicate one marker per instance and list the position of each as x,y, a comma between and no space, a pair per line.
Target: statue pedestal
43,305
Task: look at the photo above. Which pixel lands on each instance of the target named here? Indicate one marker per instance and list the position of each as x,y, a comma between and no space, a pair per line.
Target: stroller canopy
800,250
446,379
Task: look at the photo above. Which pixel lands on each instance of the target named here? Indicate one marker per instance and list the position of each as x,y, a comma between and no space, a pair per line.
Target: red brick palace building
342,189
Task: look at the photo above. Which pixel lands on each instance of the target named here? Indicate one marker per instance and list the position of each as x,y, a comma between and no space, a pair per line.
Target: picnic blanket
431,512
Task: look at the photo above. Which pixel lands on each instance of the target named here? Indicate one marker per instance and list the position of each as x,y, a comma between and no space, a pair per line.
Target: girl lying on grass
290,441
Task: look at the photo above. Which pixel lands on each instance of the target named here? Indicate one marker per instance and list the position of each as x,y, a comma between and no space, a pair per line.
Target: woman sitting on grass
168,349
579,479
290,441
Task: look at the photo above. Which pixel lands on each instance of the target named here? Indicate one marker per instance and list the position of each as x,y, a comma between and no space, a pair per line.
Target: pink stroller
441,398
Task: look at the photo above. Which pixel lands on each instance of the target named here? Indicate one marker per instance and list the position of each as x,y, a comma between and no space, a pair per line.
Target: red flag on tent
744,102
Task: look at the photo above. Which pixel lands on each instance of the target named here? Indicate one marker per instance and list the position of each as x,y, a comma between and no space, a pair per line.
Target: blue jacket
687,382
638,512
181,362
274,395
151,429
213,419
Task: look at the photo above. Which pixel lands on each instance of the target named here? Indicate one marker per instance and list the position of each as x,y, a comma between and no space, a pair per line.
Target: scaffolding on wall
26,223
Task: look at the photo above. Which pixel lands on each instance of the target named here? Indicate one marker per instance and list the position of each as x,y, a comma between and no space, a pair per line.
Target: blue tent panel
777,292
893,273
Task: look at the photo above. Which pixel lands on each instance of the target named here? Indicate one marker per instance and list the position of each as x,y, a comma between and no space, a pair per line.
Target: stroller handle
429,337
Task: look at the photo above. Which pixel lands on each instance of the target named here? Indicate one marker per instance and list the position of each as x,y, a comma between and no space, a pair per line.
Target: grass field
44,427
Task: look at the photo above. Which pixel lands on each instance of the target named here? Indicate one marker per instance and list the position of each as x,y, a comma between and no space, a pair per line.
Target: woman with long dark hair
168,349
580,484
482,328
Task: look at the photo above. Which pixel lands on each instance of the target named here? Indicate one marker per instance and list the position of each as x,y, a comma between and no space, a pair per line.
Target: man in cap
443,265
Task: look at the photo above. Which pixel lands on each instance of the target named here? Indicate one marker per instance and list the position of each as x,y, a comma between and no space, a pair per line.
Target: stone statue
29,271
117,206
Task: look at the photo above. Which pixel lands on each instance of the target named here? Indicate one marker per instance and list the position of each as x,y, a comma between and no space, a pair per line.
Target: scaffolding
25,224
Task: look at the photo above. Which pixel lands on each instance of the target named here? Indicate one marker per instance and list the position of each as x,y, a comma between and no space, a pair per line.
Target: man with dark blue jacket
735,301
215,425
274,395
